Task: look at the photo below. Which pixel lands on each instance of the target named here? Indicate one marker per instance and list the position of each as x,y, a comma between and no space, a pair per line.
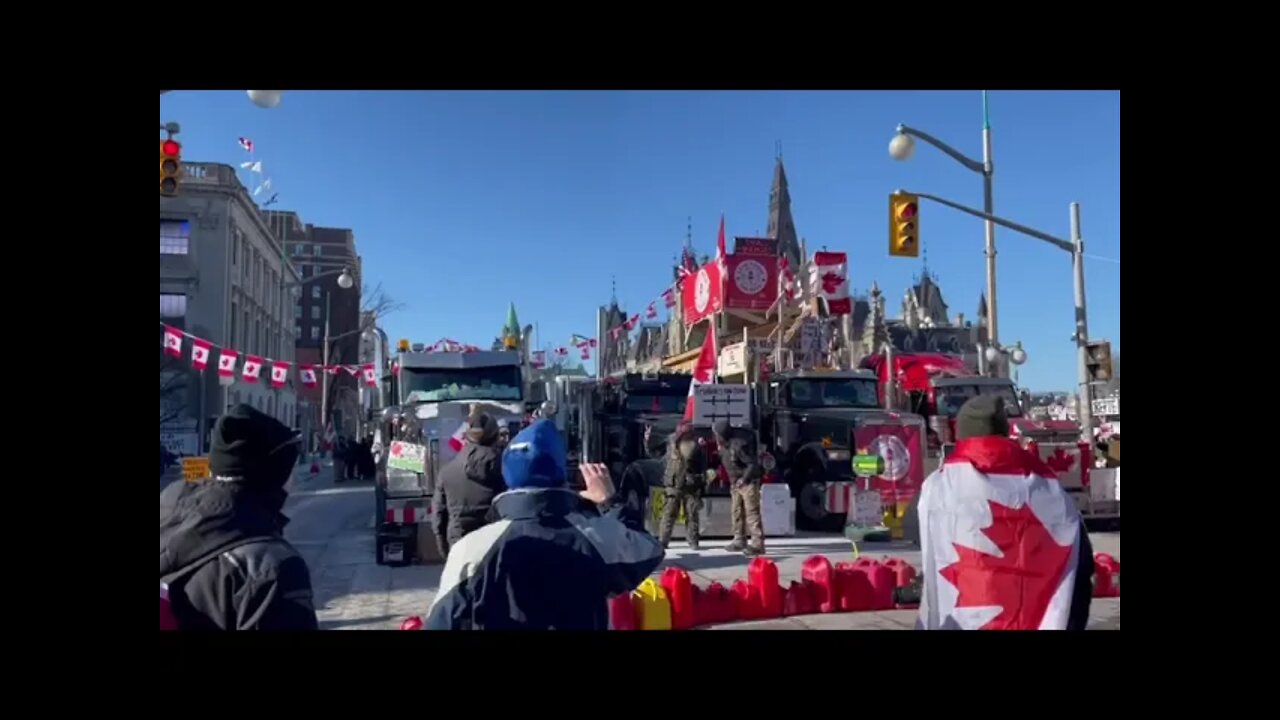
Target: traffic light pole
1076,247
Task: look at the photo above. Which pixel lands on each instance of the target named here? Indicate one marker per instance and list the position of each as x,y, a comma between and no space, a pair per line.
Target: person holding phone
553,557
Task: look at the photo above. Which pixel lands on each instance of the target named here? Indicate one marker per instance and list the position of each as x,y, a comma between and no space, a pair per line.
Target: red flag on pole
704,371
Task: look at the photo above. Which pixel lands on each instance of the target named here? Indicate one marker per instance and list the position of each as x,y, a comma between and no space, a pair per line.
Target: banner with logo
700,293
752,283
899,447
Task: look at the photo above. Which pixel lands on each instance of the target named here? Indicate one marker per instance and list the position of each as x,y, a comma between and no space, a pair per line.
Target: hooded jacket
550,561
468,485
222,551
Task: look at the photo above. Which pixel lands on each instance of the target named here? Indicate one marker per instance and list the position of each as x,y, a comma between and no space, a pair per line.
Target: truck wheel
811,512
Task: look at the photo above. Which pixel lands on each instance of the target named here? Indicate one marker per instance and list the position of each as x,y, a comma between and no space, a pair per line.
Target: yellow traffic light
904,225
170,167
1099,361
403,345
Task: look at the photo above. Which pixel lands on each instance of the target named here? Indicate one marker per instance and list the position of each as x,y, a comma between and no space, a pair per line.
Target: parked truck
435,392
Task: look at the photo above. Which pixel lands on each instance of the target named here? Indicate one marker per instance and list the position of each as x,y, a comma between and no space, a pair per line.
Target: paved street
332,526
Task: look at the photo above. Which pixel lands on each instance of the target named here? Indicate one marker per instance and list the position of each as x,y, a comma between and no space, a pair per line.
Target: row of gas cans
673,602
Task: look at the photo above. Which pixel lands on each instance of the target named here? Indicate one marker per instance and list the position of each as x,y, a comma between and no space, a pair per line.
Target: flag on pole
253,166
722,258
266,185
704,370
246,143
458,439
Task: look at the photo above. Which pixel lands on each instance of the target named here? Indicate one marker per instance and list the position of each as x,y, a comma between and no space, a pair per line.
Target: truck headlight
838,455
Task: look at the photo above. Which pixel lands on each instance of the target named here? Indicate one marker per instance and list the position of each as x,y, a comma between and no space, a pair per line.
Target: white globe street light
266,98
992,354
901,147
345,281
1018,356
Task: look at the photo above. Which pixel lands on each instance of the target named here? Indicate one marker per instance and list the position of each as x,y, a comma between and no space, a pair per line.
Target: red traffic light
907,212
170,148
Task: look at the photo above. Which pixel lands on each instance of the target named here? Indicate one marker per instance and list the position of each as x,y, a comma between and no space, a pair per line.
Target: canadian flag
252,368
539,359
562,352
331,369
370,375
200,353
631,324
786,278
669,297
652,311
308,375
704,370
1000,541
352,370
616,332
227,362
458,439
173,341
279,373
829,279
586,351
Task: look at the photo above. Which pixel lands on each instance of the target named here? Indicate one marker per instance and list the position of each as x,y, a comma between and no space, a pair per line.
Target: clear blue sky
464,201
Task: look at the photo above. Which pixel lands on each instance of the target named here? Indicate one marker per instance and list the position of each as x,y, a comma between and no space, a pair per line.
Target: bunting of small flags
251,370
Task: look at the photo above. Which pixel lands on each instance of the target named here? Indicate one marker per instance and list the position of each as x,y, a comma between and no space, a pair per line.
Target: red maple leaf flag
652,311
173,341
200,353
999,541
1060,460
279,373
227,362
308,375
721,255
252,368
669,297
458,439
704,370
369,375
586,350
829,278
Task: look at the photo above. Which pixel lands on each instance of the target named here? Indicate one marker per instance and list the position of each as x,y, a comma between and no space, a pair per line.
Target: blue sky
464,201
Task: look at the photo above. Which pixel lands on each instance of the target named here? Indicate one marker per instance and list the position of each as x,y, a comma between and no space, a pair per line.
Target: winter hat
252,446
481,429
982,416
535,458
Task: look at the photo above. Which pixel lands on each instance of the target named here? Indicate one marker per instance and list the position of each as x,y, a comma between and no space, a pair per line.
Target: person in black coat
223,555
468,484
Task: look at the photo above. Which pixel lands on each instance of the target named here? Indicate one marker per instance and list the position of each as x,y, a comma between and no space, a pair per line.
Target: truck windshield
491,383
656,403
952,397
833,393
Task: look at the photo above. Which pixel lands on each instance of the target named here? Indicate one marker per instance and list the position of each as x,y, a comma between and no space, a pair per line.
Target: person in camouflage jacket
683,482
740,458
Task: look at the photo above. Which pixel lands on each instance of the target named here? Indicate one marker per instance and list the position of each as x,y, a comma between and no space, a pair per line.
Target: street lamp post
901,147
345,282
1075,246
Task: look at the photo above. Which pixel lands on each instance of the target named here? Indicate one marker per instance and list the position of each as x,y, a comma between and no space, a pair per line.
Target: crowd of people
525,551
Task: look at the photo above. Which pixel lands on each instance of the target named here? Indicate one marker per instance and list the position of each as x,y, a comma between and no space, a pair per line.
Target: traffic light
170,167
904,225
1099,362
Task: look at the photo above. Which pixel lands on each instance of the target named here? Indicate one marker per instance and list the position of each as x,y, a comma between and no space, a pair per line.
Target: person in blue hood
553,558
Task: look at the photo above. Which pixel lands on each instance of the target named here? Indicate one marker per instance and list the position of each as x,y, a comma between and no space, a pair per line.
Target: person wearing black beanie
223,556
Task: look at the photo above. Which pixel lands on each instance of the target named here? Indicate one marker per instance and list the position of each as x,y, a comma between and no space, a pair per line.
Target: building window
315,292
255,348
297,331
315,312
231,336
173,306
315,332
299,249
316,250
243,341
297,312
175,237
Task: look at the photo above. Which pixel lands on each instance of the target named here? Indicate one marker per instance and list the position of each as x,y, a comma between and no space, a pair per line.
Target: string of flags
253,366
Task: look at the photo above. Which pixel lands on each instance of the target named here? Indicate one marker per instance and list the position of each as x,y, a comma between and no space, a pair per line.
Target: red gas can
817,570
748,601
717,605
903,572
1106,576
883,581
622,613
680,592
799,599
856,593
762,576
